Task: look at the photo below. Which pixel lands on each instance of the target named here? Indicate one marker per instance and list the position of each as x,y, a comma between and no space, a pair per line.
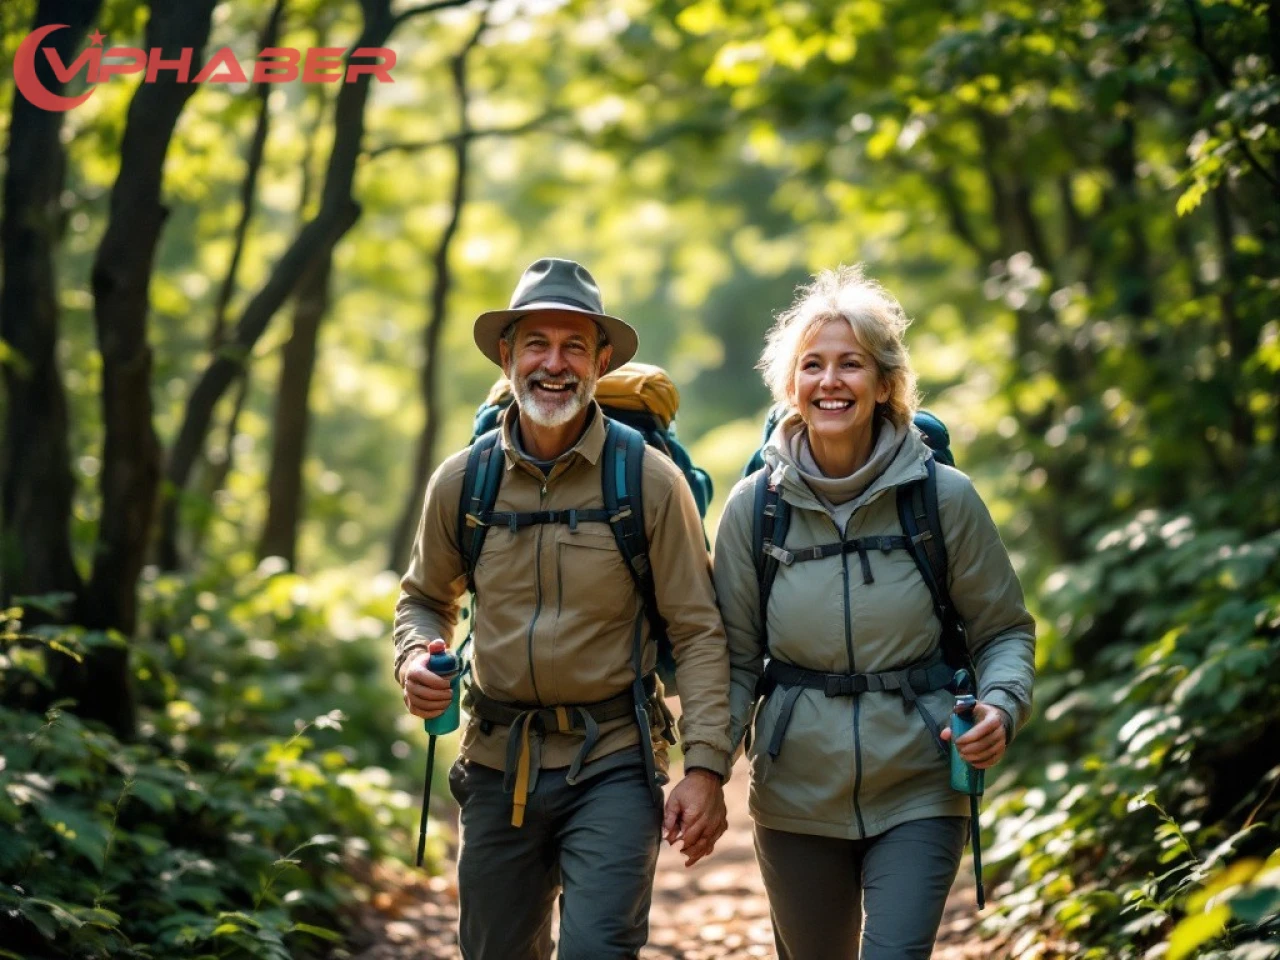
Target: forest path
716,910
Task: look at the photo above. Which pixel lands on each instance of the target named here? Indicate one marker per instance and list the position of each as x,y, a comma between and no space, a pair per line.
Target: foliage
1148,816
235,824
1079,204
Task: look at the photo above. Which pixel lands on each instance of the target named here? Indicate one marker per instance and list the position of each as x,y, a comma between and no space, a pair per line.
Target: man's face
554,365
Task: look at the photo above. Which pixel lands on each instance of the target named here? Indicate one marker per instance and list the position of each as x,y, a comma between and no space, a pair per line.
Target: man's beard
545,411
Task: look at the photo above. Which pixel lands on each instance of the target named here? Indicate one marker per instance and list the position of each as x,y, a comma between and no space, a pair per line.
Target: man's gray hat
552,285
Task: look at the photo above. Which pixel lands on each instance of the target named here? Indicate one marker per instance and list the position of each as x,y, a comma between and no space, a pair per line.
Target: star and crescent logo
24,73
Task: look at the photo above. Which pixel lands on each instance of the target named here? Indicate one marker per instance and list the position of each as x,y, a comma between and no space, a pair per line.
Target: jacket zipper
857,698
537,596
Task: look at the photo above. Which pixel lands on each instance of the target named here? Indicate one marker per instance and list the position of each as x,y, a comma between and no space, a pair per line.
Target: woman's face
836,385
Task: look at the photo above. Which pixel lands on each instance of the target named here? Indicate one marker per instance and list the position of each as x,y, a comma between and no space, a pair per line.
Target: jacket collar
907,466
589,446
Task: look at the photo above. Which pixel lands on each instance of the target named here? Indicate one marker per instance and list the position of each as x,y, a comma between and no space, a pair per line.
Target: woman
858,832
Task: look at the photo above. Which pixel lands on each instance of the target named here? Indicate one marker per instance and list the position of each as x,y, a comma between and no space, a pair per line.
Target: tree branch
411,146
402,538
249,187
1223,76
425,8
945,184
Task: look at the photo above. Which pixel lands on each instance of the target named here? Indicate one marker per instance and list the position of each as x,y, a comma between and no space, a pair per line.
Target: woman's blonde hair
878,323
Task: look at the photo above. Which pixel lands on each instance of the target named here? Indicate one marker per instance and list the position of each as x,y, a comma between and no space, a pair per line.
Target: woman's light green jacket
854,767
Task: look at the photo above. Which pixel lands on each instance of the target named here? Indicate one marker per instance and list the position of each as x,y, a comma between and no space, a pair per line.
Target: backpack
922,535
639,395
640,404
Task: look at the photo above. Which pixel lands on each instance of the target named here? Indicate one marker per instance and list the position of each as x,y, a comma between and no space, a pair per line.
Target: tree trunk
121,279
36,484
220,468
424,457
168,552
293,417
292,421
313,243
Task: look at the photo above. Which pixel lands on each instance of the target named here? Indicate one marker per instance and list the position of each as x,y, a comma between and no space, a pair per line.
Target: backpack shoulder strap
922,525
770,519
480,485
621,479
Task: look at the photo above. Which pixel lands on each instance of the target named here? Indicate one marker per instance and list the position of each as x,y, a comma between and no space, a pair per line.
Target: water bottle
964,778
445,665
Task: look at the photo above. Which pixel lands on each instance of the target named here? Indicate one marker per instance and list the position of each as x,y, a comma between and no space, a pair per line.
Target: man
552,778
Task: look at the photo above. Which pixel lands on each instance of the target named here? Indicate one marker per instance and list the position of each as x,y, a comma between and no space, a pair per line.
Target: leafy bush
231,827
1148,818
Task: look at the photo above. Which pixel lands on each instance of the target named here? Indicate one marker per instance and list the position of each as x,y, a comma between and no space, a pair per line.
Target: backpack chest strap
862,546
518,521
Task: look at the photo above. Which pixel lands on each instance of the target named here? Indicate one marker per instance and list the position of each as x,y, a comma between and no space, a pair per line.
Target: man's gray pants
596,844
890,890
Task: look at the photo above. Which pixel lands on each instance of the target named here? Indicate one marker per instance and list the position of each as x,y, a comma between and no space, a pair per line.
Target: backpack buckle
784,557
573,521
838,685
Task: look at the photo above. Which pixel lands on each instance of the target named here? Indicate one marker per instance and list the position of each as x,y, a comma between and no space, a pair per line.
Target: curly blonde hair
878,322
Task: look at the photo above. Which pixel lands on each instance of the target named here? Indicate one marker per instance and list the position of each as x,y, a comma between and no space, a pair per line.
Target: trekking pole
964,778
442,665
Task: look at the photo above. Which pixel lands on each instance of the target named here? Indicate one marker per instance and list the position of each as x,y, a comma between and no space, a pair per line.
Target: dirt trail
715,910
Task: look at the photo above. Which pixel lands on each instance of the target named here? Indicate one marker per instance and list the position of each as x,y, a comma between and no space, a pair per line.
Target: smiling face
836,385
553,364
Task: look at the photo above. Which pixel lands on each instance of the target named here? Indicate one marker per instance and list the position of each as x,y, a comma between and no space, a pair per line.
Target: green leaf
77,830
1196,930
323,933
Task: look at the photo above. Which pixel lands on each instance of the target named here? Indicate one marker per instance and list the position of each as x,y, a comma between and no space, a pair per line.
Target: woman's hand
984,745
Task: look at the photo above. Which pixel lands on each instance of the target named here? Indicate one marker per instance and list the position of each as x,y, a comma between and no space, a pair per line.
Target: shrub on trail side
1146,822
233,825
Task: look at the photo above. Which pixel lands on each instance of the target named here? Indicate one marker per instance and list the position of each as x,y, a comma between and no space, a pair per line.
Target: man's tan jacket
556,609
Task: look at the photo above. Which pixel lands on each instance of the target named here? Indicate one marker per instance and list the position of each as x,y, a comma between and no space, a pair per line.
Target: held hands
696,814
426,695
984,745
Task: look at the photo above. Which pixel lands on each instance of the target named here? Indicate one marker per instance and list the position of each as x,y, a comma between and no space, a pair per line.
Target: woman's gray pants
889,889
595,844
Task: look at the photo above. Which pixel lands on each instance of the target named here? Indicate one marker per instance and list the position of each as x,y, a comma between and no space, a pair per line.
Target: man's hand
696,814
425,694
984,745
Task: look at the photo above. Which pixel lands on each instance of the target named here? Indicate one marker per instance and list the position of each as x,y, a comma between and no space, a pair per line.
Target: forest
235,338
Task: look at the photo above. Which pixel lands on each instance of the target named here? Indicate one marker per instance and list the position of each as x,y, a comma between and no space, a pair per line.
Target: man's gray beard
544,416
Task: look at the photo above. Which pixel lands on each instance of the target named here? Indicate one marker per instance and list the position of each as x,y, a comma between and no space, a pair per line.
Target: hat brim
489,326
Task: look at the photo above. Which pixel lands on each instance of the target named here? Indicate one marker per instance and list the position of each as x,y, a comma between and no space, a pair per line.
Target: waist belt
528,723
909,682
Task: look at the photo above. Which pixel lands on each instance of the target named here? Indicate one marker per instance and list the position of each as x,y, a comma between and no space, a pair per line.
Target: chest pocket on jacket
592,577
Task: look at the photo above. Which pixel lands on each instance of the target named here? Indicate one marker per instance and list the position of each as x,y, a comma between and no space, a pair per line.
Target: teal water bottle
445,665
442,665
964,778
